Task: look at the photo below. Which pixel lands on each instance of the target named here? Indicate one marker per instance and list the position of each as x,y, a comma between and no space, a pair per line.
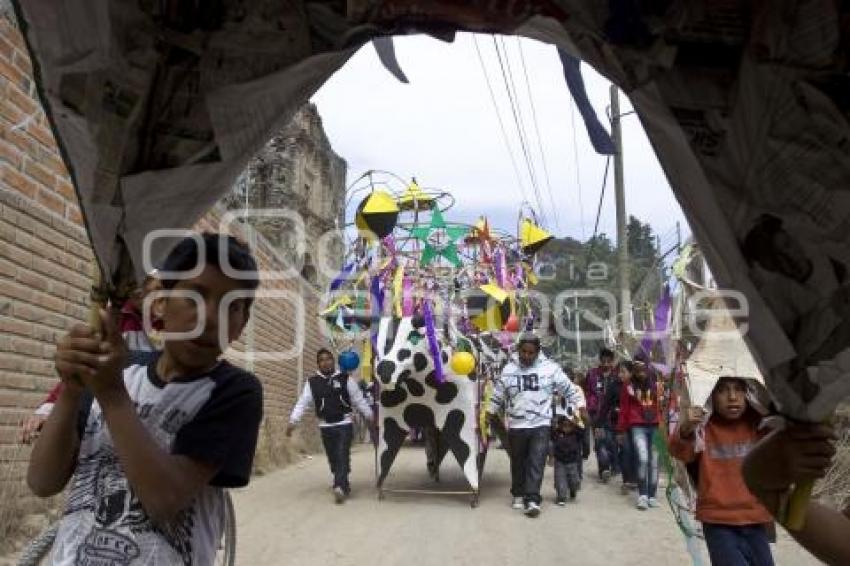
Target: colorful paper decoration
366,366
344,300
414,198
341,277
530,275
532,237
407,302
398,281
377,213
494,307
440,240
495,291
480,236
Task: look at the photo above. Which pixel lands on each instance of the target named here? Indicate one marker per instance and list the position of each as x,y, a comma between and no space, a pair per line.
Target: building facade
297,177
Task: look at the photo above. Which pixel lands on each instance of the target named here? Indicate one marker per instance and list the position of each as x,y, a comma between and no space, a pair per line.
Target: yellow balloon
463,363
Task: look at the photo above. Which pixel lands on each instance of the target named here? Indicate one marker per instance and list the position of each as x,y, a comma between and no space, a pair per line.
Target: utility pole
620,199
578,331
678,237
661,256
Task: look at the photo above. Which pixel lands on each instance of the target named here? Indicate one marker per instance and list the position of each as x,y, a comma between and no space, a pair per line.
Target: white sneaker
642,503
532,509
518,504
654,502
339,495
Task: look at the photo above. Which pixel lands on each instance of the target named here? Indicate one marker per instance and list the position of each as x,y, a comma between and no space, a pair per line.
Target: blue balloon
348,360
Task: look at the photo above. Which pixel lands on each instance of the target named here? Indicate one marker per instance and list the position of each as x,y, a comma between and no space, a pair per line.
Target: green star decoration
440,240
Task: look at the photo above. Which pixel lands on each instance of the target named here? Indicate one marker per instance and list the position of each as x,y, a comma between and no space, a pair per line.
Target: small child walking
567,448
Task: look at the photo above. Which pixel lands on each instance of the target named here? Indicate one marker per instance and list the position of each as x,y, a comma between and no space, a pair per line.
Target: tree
644,269
566,264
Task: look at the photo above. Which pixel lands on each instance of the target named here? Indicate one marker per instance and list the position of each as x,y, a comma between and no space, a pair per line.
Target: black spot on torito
394,436
446,393
414,387
431,380
445,357
420,361
403,354
385,370
393,397
450,435
418,415
391,333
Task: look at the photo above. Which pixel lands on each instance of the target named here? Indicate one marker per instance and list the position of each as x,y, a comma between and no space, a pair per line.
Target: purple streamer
407,296
499,261
377,301
341,277
433,345
662,312
377,292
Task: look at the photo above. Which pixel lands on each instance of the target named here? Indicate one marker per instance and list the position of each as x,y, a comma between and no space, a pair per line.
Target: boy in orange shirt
717,440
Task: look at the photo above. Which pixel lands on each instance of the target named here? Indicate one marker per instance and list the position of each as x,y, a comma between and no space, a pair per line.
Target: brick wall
45,263
273,328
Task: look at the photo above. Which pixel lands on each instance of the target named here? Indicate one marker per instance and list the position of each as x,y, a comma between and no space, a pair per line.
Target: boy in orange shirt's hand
734,521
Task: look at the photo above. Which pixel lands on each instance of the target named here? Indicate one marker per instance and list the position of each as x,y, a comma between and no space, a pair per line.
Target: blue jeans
646,458
608,452
628,460
737,545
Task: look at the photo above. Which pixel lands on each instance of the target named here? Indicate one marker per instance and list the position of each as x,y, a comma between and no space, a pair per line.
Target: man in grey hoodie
524,391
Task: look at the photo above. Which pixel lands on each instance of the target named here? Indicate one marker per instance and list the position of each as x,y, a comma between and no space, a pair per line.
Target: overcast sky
442,128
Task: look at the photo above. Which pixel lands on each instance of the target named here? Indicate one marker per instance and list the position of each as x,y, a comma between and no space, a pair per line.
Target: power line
523,133
589,251
518,123
501,122
601,197
539,138
510,88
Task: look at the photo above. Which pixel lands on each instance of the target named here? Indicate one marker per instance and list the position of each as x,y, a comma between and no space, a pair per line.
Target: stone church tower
298,172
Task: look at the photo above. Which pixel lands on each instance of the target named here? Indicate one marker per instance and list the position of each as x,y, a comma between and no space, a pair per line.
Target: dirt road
288,517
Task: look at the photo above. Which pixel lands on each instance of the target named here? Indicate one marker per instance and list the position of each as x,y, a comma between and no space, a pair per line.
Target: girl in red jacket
639,417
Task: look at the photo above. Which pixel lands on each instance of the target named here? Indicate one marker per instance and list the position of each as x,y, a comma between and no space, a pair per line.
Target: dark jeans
337,442
608,452
616,451
567,480
529,448
646,459
737,545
